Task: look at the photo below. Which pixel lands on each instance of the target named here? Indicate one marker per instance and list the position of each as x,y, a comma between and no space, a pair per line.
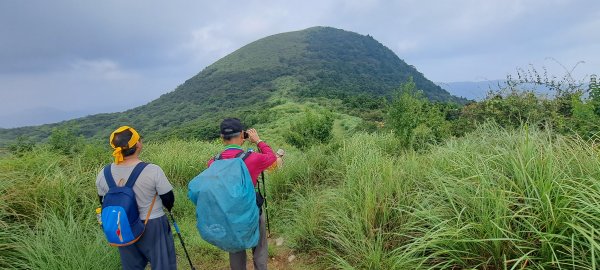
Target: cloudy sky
62,59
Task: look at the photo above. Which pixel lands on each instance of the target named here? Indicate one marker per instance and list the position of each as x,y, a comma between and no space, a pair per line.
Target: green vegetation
21,145
419,122
496,198
569,113
312,129
415,120
319,62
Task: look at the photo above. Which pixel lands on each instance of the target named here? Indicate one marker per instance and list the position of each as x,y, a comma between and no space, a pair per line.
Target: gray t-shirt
151,181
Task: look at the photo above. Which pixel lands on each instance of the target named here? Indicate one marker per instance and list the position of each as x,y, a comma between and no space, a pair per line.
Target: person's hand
253,135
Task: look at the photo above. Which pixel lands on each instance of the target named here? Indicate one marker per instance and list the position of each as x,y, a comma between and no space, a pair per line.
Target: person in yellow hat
152,192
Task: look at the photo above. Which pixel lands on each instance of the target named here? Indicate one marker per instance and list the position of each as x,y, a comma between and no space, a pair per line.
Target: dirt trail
281,260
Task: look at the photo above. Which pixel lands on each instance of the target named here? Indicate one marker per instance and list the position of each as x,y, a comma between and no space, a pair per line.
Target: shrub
311,129
65,140
21,145
415,120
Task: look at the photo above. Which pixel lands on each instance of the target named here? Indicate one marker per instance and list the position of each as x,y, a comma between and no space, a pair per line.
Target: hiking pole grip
181,239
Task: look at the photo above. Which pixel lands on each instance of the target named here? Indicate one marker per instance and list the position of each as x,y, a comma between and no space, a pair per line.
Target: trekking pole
180,238
262,174
266,205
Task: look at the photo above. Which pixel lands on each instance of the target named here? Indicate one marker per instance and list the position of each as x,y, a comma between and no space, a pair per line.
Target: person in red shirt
234,135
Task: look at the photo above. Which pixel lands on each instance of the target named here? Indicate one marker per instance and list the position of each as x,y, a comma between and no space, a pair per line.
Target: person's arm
101,186
266,157
164,189
168,200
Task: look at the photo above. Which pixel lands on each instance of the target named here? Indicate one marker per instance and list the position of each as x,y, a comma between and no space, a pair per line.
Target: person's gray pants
155,246
260,253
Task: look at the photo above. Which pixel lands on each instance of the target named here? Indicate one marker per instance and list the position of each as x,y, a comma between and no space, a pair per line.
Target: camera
245,135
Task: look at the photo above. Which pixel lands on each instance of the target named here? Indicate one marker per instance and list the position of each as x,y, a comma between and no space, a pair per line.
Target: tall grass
10,233
69,240
181,160
495,199
47,203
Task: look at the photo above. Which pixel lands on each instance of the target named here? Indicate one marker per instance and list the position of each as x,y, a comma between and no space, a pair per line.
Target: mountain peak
315,62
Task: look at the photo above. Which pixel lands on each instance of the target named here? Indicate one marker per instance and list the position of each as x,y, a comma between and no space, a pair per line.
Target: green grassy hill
319,62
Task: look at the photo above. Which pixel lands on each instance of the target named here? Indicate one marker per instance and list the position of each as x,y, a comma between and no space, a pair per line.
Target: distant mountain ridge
473,90
37,116
478,90
315,62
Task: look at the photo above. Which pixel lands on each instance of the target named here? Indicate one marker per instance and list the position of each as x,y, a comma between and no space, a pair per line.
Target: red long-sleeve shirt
256,162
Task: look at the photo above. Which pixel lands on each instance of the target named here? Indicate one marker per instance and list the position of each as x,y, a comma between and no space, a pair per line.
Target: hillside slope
315,62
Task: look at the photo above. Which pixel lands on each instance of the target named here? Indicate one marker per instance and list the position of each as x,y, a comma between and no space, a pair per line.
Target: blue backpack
120,216
226,211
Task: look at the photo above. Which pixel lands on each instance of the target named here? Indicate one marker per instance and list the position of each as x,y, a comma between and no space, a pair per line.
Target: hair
121,139
231,136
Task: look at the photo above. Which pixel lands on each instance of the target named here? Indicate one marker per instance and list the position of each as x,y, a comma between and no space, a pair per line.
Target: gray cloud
113,55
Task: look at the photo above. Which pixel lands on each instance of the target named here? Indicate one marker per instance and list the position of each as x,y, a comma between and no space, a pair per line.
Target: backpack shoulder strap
150,210
135,174
243,155
110,181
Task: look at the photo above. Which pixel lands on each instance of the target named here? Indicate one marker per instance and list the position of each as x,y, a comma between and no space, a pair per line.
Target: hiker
233,134
152,192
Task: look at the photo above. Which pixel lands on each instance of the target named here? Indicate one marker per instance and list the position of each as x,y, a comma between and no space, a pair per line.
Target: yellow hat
118,149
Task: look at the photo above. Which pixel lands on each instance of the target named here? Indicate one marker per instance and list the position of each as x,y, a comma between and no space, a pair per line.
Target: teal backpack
226,211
